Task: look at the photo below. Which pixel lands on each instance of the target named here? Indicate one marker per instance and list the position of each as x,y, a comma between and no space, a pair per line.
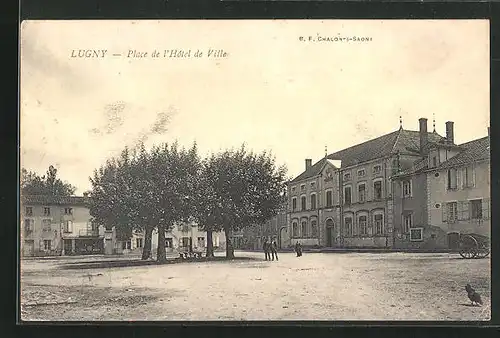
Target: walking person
274,249
297,248
266,249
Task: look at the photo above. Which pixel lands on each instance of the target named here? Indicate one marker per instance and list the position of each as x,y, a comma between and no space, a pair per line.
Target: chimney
308,163
449,132
424,137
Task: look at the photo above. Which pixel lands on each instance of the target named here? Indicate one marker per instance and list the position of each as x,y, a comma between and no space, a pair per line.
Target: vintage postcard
249,170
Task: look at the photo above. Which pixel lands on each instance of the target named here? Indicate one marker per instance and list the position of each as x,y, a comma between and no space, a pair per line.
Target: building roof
474,151
54,200
314,170
400,141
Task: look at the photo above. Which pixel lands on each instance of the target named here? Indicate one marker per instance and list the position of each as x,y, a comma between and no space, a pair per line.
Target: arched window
313,201
304,229
348,229
295,229
314,228
303,203
378,223
363,226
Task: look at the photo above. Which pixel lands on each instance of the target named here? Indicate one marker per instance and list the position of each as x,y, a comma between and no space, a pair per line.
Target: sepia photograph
254,170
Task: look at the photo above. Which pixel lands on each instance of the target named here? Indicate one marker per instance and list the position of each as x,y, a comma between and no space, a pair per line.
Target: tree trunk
148,237
161,254
229,245
210,244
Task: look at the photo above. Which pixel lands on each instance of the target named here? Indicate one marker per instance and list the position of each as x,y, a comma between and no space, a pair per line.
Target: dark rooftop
54,200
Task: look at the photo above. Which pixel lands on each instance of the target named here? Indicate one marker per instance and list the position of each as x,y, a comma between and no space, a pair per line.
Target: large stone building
444,194
346,198
58,226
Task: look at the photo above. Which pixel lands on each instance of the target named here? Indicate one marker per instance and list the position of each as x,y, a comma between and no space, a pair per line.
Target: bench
194,254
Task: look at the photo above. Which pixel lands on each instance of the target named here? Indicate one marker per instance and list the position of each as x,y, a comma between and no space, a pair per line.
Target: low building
181,237
54,225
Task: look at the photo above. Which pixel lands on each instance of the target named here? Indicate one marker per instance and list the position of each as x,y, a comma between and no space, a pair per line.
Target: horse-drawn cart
474,246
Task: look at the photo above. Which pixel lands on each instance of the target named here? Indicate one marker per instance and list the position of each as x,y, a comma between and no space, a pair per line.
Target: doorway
329,236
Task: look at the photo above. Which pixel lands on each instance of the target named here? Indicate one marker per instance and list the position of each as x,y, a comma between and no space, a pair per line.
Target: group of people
270,249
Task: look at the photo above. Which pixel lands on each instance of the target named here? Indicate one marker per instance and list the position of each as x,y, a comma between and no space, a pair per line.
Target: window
295,229
47,244
185,241
126,245
407,222
377,190
406,188
362,225
68,226
138,242
169,243
293,189
451,208
313,185
476,209
28,225
468,177
416,234
347,176
304,229
303,203
201,242
452,179
68,211
361,172
314,228
434,161
303,187
362,192
378,220
46,225
377,169
348,226
46,211
294,203
29,211
329,198
313,202
347,195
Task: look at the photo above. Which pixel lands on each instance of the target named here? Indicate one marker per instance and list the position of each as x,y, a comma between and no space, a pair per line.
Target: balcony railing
89,233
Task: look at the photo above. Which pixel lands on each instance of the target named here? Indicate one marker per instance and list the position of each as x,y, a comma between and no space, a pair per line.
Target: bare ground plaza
316,286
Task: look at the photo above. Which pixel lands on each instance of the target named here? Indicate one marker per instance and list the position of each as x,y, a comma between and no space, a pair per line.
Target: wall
439,195
416,204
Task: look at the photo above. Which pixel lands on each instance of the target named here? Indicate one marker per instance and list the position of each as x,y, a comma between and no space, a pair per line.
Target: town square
316,286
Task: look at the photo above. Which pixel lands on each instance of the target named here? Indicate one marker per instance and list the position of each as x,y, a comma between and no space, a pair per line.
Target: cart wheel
468,254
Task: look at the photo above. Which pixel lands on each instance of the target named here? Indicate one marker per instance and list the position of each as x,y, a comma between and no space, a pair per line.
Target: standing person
274,249
300,250
266,248
297,248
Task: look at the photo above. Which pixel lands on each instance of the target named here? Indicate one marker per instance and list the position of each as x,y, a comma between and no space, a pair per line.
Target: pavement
316,286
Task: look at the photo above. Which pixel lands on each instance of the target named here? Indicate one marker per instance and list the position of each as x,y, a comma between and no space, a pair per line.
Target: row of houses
405,189
53,225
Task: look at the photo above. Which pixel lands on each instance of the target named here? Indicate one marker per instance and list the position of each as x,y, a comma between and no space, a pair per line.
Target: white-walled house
180,238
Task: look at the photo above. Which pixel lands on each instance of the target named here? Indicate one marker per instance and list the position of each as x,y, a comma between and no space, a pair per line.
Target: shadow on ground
137,262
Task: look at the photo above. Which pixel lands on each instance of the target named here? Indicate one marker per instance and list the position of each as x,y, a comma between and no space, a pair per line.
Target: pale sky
272,91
